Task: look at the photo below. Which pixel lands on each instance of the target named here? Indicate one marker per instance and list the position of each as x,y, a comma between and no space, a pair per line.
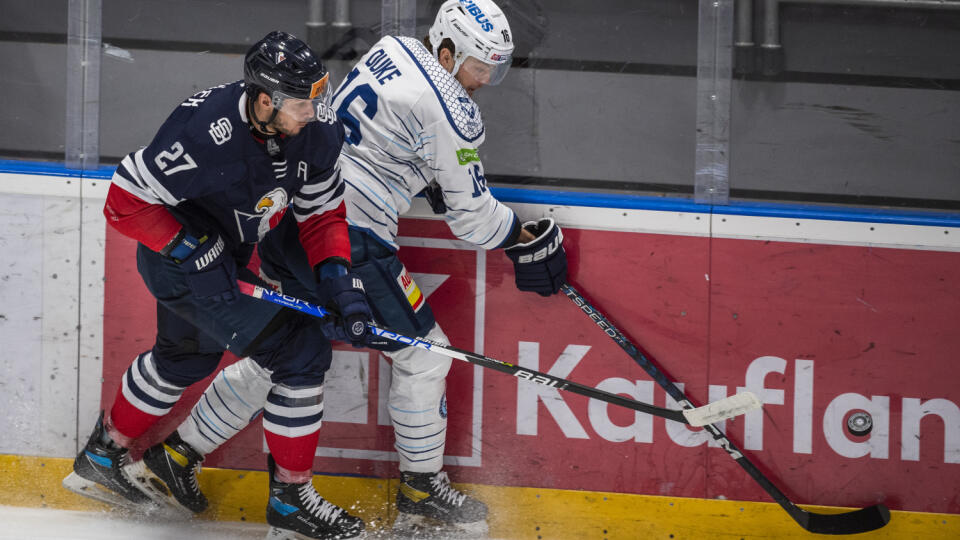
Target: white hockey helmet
480,32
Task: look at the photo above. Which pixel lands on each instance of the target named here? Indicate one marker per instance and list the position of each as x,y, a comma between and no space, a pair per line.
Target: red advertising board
817,331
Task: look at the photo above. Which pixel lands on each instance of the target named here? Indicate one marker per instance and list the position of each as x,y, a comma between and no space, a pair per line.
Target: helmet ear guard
478,29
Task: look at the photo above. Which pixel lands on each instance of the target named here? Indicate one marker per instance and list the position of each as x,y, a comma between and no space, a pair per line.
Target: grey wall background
867,110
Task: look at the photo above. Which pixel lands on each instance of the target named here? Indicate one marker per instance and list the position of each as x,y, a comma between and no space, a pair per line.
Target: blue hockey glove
211,272
344,296
540,265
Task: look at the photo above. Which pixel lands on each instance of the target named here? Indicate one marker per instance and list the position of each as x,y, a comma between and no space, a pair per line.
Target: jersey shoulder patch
218,120
461,111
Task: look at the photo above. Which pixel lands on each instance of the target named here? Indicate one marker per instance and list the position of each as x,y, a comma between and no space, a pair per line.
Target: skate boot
428,506
298,512
174,465
99,473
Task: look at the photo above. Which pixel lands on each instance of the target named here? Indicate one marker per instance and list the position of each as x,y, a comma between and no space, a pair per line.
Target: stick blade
866,519
722,409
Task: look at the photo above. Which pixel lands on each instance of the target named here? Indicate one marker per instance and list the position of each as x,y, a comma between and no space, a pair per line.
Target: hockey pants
192,335
417,401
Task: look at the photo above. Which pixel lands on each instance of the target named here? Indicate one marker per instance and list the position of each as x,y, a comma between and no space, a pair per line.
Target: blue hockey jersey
206,169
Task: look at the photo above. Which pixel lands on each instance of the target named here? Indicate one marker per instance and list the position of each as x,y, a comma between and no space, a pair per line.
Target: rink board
817,316
815,330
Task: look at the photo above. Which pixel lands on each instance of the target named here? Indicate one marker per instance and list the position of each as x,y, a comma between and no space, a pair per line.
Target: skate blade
152,486
92,490
417,526
276,533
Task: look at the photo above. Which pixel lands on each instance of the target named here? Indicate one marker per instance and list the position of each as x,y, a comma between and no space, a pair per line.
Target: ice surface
46,524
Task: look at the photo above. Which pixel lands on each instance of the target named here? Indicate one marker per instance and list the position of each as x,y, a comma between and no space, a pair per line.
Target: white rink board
39,295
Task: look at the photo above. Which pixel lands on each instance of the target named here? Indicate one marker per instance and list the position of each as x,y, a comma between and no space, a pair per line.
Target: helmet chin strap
252,113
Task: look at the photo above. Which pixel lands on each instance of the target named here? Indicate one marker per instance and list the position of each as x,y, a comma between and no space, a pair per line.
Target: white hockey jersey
408,122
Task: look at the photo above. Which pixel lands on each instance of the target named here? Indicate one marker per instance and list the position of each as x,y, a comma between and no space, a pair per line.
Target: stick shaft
866,519
533,376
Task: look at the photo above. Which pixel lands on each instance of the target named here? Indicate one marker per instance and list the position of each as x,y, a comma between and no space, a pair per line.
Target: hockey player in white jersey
410,127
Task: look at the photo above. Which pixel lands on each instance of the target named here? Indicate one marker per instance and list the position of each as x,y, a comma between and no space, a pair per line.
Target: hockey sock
143,398
234,398
291,425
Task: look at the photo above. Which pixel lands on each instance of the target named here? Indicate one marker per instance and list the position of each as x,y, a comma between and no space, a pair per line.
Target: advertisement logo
478,14
466,155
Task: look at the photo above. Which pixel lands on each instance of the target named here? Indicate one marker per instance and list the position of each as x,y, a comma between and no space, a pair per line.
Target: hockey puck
859,423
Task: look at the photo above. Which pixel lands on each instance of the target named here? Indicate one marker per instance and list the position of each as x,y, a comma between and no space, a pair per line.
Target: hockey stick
856,521
713,412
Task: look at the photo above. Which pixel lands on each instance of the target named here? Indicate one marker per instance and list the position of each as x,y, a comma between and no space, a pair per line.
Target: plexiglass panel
33,61
851,102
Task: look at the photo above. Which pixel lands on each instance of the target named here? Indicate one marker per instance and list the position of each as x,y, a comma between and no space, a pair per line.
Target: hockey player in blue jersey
410,127
228,165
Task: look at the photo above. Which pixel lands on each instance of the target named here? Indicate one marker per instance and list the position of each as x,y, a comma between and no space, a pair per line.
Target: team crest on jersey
267,214
410,289
443,405
221,130
468,106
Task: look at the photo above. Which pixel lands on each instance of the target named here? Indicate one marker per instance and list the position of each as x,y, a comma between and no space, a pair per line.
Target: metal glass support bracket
82,137
714,66
316,26
398,18
771,50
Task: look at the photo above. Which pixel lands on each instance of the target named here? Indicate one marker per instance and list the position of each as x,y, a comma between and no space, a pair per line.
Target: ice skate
171,475
298,512
100,473
429,507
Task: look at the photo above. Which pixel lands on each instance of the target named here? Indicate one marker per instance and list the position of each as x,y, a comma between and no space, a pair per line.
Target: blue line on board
608,200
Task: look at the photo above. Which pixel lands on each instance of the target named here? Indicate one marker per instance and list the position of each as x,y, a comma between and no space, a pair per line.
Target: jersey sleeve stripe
315,189
314,195
152,183
492,236
405,128
370,173
371,218
395,182
318,180
122,180
302,213
381,207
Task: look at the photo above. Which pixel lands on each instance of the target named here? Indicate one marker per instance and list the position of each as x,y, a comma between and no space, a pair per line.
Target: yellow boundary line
515,513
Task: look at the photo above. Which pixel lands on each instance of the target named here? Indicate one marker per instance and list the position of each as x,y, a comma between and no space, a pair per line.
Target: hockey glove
540,265
346,298
211,272
434,195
